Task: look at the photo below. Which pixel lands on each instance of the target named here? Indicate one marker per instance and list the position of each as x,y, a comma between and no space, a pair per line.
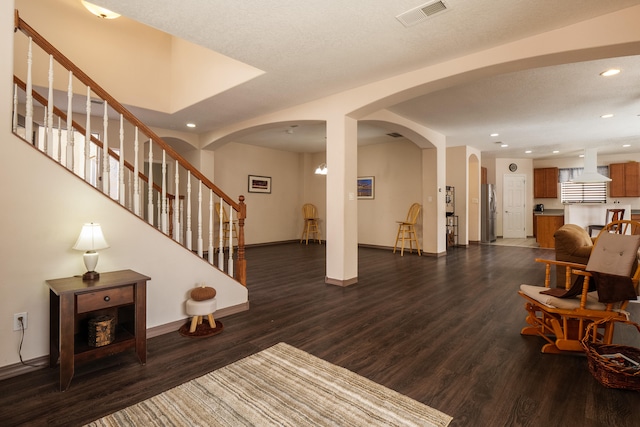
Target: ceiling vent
394,135
421,13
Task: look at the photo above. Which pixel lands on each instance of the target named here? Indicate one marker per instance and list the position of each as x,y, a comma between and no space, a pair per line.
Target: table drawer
104,299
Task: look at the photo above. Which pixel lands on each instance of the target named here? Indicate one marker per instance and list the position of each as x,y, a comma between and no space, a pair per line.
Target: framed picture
259,184
366,187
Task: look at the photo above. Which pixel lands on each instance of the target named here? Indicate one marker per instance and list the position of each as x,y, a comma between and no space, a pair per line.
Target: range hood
590,173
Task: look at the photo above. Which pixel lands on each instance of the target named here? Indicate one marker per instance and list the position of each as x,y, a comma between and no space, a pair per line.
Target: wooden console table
72,302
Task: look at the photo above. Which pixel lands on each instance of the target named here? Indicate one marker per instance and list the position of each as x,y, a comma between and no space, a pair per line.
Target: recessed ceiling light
495,134
626,145
191,125
581,155
610,72
606,116
527,152
504,145
555,151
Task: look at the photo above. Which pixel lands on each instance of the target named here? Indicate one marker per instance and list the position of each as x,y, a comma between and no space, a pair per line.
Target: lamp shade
91,238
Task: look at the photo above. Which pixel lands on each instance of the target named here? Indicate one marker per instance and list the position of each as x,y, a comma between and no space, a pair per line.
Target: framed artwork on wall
259,184
366,187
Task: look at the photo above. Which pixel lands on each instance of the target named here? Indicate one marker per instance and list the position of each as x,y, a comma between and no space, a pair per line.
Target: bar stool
611,215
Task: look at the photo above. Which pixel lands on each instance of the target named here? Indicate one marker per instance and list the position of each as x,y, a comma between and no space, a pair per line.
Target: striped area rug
279,386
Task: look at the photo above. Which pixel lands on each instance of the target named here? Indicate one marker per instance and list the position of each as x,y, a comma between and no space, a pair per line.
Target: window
578,192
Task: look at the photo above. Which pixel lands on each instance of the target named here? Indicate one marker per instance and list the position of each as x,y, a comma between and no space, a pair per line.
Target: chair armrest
568,266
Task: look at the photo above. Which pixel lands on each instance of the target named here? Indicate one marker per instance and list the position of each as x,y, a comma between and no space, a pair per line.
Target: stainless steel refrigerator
488,213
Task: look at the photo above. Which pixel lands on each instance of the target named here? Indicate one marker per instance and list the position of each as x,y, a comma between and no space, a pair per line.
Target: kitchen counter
552,212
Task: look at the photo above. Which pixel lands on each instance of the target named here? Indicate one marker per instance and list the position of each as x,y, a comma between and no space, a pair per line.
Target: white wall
48,207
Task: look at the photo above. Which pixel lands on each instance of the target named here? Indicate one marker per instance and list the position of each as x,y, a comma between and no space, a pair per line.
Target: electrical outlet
16,321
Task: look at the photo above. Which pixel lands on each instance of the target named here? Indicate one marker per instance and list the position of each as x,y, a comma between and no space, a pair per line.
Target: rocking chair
561,316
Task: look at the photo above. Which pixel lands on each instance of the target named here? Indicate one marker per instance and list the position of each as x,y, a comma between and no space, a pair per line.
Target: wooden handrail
21,25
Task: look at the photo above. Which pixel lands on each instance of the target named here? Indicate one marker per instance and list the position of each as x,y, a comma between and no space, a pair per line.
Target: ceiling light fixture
555,151
321,169
100,12
495,134
528,152
504,145
610,72
606,116
191,125
626,145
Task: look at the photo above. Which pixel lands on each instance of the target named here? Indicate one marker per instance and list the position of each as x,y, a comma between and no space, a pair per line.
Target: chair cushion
203,293
535,292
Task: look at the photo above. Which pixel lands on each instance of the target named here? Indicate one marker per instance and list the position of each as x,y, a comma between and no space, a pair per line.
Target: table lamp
90,240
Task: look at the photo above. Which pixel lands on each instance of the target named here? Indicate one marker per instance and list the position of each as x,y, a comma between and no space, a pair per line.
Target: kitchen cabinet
546,226
545,183
625,179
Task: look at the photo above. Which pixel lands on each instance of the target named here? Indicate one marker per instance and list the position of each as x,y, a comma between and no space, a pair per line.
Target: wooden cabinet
625,179
546,227
545,183
73,302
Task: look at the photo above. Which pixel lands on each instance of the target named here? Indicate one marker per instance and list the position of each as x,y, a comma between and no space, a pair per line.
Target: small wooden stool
199,309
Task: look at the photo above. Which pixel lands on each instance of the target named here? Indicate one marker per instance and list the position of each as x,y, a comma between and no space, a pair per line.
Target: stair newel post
28,125
163,211
150,193
87,139
14,122
210,248
242,262
48,140
176,206
221,236
200,244
188,236
230,260
105,150
136,178
121,193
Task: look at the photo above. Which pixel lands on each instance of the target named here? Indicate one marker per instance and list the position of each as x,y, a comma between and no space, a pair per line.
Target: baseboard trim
167,328
342,283
41,362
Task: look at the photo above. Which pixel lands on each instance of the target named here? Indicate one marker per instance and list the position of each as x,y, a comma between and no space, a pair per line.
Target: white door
513,216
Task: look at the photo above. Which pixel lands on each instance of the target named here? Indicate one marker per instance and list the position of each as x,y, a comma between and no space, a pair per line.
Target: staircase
171,195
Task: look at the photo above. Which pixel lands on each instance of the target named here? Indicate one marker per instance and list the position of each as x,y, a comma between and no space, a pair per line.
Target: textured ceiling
309,51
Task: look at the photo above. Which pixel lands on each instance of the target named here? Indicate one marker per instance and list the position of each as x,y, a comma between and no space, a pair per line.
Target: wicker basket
101,330
609,371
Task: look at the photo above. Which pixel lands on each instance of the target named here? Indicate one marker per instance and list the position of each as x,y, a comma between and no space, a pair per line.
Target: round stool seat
201,308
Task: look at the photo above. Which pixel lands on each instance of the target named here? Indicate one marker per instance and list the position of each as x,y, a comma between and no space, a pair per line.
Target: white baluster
15,108
121,192
28,125
181,221
48,141
176,207
105,151
188,236
70,138
210,248
221,237
136,179
59,140
129,189
200,219
87,139
46,119
150,194
163,212
230,269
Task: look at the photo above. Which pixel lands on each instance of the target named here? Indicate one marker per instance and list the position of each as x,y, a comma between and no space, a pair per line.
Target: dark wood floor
444,331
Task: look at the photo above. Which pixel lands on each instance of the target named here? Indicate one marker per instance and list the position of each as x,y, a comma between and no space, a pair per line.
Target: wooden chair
407,230
225,225
310,216
610,216
562,322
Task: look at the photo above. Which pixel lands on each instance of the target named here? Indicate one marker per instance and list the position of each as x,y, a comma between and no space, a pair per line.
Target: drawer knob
107,298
